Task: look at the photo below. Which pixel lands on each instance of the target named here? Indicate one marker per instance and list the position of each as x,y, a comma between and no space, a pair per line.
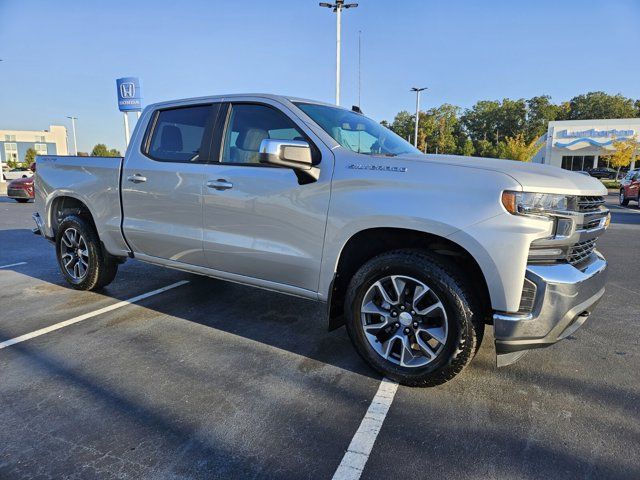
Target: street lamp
337,9
417,90
73,129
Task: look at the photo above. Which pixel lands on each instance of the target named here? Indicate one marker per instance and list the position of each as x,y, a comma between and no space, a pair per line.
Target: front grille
592,223
17,192
590,203
580,251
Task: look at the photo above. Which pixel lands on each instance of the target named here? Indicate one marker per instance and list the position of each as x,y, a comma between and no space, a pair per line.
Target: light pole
417,90
73,129
337,8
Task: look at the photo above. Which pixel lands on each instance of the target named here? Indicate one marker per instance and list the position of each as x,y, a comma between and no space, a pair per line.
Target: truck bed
94,181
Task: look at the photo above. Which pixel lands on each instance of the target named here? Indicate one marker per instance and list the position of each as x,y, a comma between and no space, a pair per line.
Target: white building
15,143
584,144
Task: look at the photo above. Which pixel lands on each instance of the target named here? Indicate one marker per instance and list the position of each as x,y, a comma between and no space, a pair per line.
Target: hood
534,177
22,181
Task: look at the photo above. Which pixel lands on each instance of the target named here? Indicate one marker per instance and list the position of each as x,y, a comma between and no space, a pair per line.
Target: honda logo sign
129,96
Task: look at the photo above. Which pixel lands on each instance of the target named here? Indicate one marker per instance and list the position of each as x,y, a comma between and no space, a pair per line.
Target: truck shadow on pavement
136,400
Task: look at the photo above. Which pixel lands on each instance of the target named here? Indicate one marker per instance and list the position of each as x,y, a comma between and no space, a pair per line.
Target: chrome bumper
565,297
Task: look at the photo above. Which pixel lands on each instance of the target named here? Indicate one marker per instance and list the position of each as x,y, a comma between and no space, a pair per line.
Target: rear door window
179,134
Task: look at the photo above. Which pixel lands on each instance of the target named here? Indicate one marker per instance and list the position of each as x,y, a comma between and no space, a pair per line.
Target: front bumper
18,193
565,297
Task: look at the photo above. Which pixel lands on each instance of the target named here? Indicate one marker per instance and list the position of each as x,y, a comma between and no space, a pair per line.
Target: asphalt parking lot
215,380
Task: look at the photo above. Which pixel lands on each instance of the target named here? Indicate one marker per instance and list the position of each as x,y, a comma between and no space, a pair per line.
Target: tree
484,148
467,148
625,151
30,156
101,150
601,105
540,111
517,148
403,124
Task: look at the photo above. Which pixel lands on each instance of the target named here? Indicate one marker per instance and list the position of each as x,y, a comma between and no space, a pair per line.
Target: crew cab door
261,222
162,184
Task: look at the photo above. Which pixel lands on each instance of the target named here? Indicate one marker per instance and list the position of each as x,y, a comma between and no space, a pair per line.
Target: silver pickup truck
414,253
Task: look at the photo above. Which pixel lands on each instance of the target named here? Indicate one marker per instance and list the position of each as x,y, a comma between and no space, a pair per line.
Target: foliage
625,151
601,105
517,148
101,150
506,128
30,156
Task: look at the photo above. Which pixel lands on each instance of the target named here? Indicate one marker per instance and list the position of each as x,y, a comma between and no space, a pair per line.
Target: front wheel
82,261
621,198
411,318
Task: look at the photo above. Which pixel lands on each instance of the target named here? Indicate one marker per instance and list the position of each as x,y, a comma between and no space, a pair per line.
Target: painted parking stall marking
13,264
80,318
357,454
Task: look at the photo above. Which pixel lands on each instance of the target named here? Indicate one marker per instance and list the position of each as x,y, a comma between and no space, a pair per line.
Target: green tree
30,156
403,124
484,148
540,111
101,150
466,148
481,120
601,105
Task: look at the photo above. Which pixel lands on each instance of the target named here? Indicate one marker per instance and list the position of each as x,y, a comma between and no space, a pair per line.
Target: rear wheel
621,198
411,318
82,261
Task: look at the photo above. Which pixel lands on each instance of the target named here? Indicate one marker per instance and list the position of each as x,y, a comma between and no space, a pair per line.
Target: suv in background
630,188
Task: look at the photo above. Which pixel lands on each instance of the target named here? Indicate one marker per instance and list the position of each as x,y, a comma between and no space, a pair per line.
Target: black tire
21,200
622,199
465,326
102,267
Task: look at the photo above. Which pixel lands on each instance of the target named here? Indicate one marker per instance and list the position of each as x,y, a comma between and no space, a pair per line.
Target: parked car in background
19,172
584,172
630,188
603,172
21,189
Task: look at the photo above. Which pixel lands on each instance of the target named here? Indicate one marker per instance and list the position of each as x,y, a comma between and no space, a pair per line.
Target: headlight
544,204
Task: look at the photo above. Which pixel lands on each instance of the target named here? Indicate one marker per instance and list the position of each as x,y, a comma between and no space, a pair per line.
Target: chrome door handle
136,178
220,184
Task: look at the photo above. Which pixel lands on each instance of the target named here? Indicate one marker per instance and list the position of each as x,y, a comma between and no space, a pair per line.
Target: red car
630,188
21,189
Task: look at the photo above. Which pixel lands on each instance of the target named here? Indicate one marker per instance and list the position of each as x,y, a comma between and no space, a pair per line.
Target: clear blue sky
62,57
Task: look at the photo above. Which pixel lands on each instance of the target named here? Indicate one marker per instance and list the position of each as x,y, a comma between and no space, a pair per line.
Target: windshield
356,132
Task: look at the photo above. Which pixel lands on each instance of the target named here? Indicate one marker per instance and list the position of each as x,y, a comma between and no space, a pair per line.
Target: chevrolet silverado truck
414,253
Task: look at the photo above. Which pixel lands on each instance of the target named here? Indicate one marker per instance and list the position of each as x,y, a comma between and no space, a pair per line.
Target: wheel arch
367,244
64,205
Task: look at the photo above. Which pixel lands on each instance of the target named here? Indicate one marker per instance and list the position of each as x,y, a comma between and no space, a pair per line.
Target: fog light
545,253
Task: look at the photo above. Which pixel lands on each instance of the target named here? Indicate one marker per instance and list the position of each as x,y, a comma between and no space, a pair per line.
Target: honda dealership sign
129,94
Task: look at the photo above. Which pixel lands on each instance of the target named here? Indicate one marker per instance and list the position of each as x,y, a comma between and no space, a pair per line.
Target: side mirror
295,154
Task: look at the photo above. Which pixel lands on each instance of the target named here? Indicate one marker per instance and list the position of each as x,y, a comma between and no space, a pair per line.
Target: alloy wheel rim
404,321
74,254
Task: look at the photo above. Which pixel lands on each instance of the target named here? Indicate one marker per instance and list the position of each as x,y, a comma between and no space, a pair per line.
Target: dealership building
15,143
584,144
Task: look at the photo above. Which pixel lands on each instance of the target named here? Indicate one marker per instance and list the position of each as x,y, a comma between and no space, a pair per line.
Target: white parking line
66,323
355,459
13,265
